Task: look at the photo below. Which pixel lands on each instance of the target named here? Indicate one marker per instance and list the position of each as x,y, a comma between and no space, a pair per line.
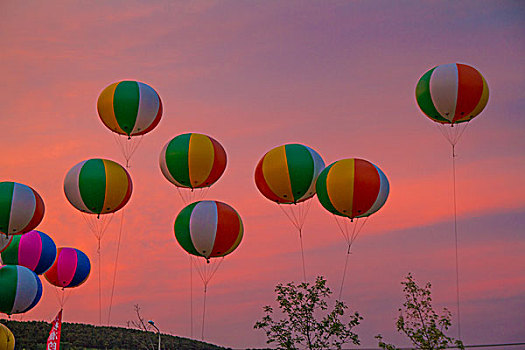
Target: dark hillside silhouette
33,335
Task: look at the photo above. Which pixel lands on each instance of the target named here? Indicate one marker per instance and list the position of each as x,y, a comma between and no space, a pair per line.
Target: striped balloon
20,290
34,250
452,93
71,268
353,188
98,186
209,229
192,160
21,208
287,174
7,339
5,241
129,108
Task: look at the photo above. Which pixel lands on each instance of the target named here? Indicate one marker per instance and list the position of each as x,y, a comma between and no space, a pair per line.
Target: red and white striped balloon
452,93
209,229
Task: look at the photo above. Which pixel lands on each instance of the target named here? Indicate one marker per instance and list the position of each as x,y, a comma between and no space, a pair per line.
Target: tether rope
191,296
350,238
128,146
206,273
116,265
99,284
456,237
296,214
453,135
62,295
98,225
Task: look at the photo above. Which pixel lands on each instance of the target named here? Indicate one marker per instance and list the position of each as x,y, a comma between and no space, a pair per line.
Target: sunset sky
338,76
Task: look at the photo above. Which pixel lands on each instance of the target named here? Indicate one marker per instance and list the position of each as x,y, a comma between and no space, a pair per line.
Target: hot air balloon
208,230
452,95
286,175
21,208
351,189
21,289
7,339
34,250
71,268
131,109
98,188
192,162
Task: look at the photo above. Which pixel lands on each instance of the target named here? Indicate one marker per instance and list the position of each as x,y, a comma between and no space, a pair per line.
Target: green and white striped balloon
20,290
98,186
21,208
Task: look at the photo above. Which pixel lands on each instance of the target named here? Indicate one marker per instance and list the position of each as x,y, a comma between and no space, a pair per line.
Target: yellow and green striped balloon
98,186
287,174
129,108
353,188
192,160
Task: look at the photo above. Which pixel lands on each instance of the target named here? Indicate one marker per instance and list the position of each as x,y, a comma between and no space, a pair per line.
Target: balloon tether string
302,252
99,284
456,235
116,265
62,296
204,309
191,296
127,145
344,272
350,238
297,220
206,274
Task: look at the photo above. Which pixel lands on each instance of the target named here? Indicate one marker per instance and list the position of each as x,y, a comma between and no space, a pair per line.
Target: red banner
53,341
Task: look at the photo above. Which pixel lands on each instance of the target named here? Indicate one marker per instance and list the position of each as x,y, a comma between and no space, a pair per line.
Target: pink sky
338,76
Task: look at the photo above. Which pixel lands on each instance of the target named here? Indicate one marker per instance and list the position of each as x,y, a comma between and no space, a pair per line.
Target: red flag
53,341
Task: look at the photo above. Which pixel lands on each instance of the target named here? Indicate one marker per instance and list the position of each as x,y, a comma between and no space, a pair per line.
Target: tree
301,305
419,322
141,324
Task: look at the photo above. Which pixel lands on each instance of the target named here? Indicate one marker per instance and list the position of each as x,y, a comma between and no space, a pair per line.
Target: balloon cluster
26,253
290,175
94,186
294,173
354,188
192,162
206,229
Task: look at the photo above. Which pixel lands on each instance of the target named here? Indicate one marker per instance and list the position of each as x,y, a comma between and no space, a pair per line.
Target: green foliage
419,322
300,305
33,335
